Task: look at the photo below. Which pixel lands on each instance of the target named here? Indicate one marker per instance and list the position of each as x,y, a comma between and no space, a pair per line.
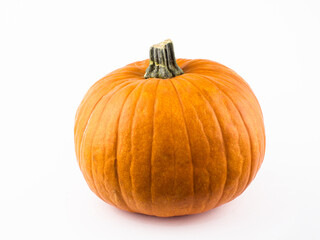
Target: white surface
51,52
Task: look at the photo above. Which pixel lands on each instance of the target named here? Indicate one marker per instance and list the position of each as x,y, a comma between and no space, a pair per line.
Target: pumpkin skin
170,147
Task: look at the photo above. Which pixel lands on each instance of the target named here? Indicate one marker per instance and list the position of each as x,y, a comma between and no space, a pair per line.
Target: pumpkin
169,137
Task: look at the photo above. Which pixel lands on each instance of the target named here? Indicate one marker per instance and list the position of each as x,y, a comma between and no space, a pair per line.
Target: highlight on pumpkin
169,137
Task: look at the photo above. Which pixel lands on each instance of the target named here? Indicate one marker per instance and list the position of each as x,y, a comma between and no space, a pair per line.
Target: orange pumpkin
178,137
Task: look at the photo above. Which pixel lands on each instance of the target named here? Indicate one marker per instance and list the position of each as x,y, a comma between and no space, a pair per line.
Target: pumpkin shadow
211,215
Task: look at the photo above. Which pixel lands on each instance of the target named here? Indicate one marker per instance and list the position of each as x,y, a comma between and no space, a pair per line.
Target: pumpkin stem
162,62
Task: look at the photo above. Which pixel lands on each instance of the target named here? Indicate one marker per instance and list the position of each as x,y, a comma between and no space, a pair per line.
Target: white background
51,52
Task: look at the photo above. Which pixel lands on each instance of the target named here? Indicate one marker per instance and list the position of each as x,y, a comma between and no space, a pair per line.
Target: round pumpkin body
169,147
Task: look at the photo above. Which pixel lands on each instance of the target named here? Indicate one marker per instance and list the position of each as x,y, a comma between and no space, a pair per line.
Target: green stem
162,61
